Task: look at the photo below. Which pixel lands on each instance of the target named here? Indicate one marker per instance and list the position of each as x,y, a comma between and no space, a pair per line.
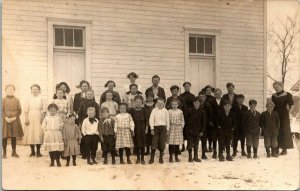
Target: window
201,45
68,37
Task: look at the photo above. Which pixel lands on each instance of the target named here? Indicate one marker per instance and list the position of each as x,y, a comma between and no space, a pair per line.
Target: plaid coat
176,127
124,124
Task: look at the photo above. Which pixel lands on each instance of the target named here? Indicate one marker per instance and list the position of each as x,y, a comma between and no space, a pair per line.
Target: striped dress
176,127
124,124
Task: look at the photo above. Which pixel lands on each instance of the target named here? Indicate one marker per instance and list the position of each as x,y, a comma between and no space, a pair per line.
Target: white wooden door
69,67
201,73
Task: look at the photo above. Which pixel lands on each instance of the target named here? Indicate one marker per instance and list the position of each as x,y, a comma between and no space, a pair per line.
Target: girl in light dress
62,104
53,141
34,114
67,96
129,97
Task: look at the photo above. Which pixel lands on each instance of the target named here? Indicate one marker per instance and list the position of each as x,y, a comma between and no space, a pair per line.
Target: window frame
203,54
69,47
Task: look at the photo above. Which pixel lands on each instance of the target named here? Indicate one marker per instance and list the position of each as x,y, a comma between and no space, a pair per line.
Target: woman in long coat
283,105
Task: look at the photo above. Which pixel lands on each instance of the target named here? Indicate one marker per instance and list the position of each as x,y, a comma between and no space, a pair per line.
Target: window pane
192,44
59,38
208,45
200,45
68,37
78,37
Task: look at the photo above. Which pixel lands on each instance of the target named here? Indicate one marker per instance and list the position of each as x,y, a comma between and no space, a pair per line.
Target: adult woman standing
132,76
110,85
34,114
283,105
81,96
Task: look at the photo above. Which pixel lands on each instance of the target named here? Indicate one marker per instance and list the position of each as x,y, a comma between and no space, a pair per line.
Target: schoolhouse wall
146,37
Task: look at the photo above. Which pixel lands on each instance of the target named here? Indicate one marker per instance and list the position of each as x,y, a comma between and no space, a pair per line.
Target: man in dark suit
155,89
230,96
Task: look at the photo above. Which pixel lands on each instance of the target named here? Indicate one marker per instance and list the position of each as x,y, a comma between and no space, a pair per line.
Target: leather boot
268,152
196,158
255,153
274,153
151,161
32,154
249,152
190,155
68,161
51,154
161,159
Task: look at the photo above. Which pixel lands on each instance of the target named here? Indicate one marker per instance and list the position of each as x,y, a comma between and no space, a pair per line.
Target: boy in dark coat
252,128
230,96
196,121
239,134
158,92
206,107
175,94
82,114
227,124
270,124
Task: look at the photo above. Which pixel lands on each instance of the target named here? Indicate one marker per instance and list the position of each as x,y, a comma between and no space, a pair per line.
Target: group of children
145,124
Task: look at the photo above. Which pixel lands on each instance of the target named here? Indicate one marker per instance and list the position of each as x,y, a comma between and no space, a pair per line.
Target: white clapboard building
201,41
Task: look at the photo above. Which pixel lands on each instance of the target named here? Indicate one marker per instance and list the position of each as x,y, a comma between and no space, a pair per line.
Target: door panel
69,67
201,73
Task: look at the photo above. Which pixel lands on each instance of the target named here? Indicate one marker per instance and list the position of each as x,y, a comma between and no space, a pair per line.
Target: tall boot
255,153
38,151
176,153
121,156
171,151
190,155
113,156
151,161
68,161
128,155
268,152
228,156
274,154
221,156
4,146
14,146
57,153
32,154
243,148
138,156
203,146
249,152
196,157
214,156
161,155
51,154
74,160
105,157
142,156
171,157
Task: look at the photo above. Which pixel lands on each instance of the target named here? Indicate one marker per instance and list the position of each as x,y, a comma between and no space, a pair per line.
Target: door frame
51,22
202,31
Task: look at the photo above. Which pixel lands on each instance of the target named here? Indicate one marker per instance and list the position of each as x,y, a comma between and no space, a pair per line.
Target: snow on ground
263,173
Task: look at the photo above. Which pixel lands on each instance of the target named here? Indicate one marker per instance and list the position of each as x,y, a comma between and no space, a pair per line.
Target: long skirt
53,141
124,138
33,133
176,135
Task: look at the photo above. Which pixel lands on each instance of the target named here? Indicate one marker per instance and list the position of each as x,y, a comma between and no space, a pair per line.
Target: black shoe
176,158
58,163
204,157
14,154
52,164
249,156
255,156
229,158
105,161
89,162
151,161
234,154
94,161
38,155
171,159
68,163
143,161
214,155
221,157
274,154
32,154
244,153
138,161
196,159
283,152
122,161
74,163
268,155
161,159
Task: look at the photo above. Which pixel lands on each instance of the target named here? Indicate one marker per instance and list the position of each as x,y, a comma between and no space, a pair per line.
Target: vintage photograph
150,95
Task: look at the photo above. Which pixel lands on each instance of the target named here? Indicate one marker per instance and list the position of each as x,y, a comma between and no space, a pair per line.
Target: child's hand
132,133
152,132
201,134
8,120
27,122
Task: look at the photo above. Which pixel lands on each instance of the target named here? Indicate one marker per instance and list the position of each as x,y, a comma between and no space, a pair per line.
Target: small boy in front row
90,132
107,135
196,123
270,123
252,129
160,124
227,124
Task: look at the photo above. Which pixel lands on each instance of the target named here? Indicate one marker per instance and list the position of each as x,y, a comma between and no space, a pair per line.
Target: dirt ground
263,173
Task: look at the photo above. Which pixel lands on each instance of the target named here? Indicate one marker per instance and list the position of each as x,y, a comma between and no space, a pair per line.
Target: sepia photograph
150,94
